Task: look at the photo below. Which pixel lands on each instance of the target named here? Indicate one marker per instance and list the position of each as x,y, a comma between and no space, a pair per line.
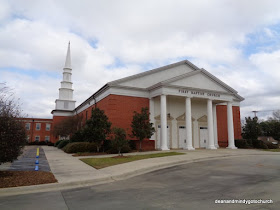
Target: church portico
188,122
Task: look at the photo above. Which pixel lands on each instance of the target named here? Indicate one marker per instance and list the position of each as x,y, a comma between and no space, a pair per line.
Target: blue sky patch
35,74
263,40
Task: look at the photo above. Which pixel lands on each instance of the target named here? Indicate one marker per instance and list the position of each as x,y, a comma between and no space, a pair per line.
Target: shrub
80,147
271,146
132,144
106,146
124,149
249,142
50,144
62,144
57,143
119,140
259,144
77,137
241,143
37,143
12,130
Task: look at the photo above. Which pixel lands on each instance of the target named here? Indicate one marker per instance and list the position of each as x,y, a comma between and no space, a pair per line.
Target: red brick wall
147,145
120,111
32,133
222,124
56,119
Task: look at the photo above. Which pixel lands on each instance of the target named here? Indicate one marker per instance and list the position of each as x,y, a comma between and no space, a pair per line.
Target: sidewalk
73,173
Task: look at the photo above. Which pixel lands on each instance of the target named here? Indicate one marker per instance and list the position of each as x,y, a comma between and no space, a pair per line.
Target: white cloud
34,35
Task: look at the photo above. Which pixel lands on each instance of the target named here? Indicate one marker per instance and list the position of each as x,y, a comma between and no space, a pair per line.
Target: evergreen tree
141,126
252,129
119,140
97,127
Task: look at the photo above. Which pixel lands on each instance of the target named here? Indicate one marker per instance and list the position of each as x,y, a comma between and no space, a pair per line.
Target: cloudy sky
237,41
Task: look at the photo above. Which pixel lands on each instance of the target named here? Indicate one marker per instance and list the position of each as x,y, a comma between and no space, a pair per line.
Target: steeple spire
68,58
65,100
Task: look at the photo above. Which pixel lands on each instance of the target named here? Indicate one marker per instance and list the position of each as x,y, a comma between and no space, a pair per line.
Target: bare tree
12,131
276,115
67,126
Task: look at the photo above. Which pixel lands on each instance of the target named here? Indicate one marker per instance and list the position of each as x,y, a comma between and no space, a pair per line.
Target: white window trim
38,138
48,128
28,129
39,126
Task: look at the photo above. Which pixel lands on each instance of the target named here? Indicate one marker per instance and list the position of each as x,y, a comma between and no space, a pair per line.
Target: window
47,138
37,138
27,126
27,138
38,126
86,115
48,127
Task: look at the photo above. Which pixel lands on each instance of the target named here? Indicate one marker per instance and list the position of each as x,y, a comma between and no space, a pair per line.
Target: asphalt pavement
196,185
72,173
26,161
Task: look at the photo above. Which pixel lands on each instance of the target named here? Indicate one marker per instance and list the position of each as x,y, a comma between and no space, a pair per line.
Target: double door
203,137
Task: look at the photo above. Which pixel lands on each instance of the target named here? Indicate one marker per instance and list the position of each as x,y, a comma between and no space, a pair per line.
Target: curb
107,178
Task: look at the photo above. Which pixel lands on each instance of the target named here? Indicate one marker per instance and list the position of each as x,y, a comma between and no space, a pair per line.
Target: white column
231,144
152,115
163,122
210,125
188,118
195,134
215,126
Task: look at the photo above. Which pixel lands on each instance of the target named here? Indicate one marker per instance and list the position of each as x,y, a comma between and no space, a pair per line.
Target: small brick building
38,129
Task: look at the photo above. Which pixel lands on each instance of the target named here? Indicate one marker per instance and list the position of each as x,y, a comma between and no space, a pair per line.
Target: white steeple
65,101
68,58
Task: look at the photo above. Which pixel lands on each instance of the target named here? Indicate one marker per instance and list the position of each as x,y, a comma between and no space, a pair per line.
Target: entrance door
182,137
159,139
203,137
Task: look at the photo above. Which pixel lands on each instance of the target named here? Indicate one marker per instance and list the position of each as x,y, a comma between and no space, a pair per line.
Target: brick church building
189,107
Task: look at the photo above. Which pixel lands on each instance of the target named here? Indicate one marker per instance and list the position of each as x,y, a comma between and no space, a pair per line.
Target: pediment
198,80
202,119
169,117
182,118
149,78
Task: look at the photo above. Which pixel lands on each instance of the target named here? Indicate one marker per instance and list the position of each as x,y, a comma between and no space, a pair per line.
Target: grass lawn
272,150
99,163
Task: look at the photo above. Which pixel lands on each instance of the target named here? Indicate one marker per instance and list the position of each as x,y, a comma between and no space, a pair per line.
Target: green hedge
37,143
80,147
259,144
57,143
253,143
271,146
62,144
114,150
241,143
108,147
50,144
77,137
132,144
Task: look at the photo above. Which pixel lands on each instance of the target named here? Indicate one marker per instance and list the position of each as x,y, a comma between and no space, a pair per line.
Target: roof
195,70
